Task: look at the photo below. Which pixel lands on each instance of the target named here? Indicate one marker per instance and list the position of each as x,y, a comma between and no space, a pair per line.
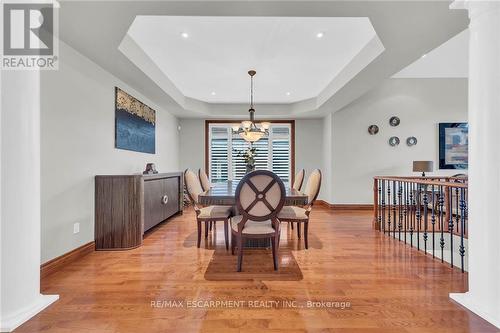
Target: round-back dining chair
260,196
205,182
300,215
209,214
299,179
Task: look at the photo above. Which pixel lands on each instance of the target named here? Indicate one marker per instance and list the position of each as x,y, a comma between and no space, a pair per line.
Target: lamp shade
423,166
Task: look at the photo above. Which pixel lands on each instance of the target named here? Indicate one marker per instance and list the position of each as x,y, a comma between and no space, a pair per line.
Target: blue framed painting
453,145
135,124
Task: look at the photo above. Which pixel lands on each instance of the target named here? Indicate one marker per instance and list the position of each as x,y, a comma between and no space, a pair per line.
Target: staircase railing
429,213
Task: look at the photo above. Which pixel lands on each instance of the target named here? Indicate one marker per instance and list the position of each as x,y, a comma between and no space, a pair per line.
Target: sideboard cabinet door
161,200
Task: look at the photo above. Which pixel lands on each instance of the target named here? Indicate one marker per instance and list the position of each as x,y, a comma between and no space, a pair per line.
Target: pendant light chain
248,130
251,92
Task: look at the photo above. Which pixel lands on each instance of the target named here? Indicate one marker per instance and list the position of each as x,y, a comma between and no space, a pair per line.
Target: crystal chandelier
248,130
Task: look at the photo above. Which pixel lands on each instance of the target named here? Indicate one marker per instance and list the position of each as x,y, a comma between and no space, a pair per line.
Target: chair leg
291,224
240,252
233,244
274,241
206,229
298,229
199,233
226,236
306,232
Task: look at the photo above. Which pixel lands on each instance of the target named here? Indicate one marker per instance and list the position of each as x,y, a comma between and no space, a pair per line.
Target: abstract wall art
453,145
134,124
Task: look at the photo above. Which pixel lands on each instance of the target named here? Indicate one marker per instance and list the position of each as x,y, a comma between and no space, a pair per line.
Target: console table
126,206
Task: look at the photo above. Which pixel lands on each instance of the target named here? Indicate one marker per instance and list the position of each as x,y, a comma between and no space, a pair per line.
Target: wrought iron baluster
400,209
441,221
450,223
433,221
412,213
462,227
383,206
389,207
426,202
406,210
394,208
418,213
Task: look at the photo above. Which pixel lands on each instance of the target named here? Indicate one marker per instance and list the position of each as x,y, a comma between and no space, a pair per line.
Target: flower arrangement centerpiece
249,158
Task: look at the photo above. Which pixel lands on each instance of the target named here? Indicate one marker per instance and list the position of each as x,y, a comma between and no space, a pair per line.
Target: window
274,152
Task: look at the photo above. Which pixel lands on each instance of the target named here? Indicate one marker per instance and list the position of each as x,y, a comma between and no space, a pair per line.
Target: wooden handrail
461,182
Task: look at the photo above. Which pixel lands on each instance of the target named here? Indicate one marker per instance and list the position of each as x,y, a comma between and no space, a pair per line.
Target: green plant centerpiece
249,158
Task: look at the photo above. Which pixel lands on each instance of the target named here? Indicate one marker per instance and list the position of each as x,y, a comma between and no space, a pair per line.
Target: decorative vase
250,168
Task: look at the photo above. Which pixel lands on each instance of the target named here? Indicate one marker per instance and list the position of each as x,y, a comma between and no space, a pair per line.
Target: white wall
308,144
327,158
77,126
192,144
420,104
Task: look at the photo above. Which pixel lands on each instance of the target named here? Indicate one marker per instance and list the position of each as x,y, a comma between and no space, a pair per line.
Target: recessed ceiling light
320,34
213,93
184,35
424,55
288,93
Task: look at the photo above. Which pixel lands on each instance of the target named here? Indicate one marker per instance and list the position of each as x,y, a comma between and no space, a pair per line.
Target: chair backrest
260,195
313,186
299,179
193,185
205,182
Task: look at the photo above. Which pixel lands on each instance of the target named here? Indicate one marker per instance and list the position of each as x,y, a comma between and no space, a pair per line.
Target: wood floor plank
382,284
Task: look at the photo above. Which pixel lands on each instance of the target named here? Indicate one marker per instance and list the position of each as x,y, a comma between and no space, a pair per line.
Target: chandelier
248,130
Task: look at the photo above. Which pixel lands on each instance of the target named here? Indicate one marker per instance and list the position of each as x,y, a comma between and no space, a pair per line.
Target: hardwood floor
388,286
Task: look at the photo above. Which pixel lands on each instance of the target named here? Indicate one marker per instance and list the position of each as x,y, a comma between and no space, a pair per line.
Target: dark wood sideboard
126,206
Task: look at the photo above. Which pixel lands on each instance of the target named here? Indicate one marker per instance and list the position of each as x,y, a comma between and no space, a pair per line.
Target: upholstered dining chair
205,182
300,215
207,214
260,196
299,179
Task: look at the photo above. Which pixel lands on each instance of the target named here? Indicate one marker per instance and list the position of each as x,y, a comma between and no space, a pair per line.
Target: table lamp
423,166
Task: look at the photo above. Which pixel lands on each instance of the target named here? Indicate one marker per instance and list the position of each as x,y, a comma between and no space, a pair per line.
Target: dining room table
224,194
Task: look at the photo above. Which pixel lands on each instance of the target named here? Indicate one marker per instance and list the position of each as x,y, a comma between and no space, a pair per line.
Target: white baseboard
8,324
465,300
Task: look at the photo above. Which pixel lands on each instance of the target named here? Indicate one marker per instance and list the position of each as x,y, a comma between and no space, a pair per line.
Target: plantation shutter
238,165
219,164
281,152
272,153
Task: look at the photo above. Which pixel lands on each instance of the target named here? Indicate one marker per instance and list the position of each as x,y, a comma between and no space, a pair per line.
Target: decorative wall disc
411,141
394,141
394,121
373,129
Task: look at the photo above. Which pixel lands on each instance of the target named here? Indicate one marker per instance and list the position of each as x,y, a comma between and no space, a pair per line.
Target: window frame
291,123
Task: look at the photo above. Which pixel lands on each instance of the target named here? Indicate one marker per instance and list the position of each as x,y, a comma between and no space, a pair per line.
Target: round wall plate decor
394,121
411,141
373,129
393,141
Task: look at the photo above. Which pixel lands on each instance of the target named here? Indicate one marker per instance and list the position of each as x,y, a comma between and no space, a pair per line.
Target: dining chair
300,215
207,214
260,196
299,179
205,182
